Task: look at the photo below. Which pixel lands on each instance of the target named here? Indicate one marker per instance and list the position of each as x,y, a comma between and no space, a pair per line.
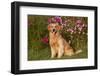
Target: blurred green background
38,46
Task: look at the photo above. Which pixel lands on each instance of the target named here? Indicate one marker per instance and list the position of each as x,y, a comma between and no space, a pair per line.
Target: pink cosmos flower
80,28
79,23
65,23
55,19
45,40
83,25
49,20
70,30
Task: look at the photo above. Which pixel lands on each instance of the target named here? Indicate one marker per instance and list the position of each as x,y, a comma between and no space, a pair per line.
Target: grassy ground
44,54
38,47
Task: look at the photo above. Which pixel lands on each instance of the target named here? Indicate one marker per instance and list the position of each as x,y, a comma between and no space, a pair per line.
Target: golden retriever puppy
59,46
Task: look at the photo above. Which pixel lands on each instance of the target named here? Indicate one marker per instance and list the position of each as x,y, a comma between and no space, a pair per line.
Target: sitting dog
59,46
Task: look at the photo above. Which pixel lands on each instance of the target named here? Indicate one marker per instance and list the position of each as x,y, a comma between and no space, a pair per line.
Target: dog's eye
57,27
51,26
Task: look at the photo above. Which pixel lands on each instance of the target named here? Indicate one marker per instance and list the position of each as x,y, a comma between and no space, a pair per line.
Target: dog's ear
49,27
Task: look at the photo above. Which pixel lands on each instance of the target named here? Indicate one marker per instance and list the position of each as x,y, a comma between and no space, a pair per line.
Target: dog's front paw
58,56
52,56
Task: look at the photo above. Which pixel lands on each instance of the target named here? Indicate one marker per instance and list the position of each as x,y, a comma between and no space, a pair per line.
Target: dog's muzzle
54,31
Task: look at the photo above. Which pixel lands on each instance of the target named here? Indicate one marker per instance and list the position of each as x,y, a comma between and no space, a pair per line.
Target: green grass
44,54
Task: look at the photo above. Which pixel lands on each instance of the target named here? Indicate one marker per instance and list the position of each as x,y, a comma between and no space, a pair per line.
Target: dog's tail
78,51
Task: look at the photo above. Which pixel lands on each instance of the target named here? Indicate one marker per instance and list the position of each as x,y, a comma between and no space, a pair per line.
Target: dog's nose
53,30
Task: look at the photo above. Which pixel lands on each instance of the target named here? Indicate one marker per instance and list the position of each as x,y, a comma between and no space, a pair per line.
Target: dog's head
54,27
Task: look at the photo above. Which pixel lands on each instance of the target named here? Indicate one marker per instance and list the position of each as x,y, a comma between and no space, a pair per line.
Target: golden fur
59,46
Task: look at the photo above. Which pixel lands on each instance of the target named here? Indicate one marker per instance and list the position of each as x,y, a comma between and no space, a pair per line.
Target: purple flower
58,19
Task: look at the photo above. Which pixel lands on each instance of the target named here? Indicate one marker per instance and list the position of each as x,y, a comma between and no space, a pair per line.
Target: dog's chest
54,42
